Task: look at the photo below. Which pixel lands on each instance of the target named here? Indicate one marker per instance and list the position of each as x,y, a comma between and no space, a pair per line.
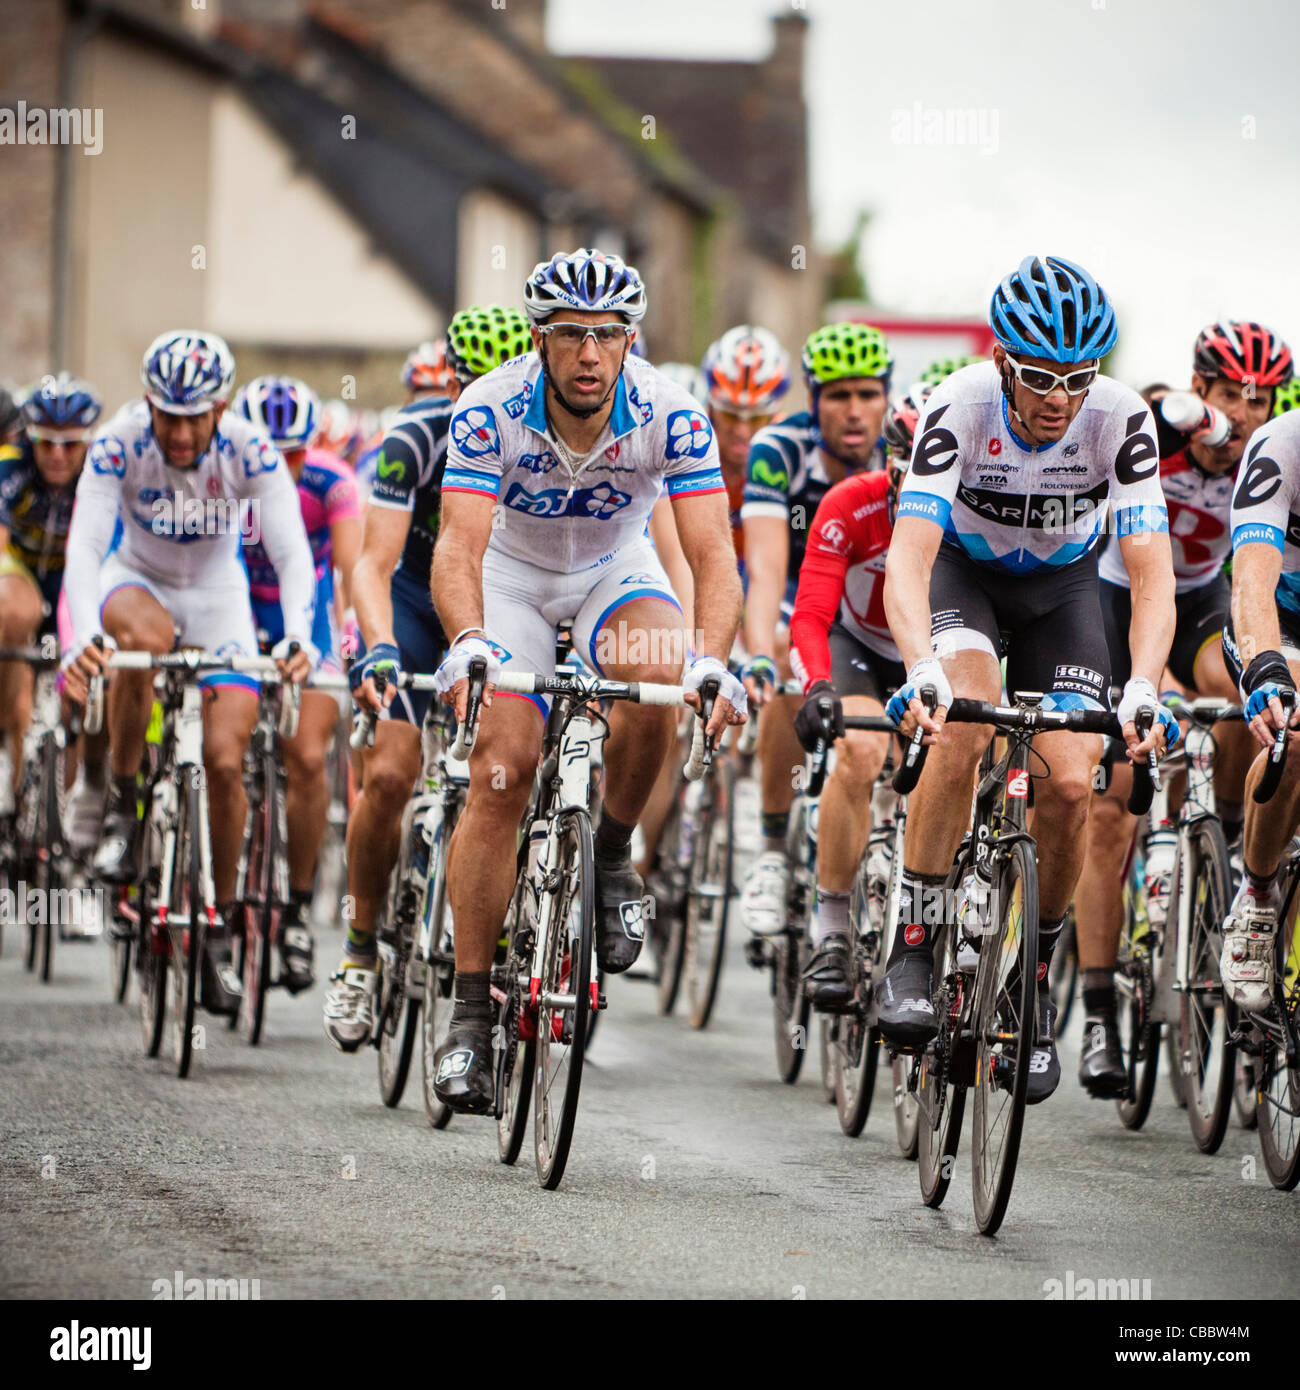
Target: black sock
124,789
1232,818
1049,933
1099,993
916,915
472,1000
612,838
776,825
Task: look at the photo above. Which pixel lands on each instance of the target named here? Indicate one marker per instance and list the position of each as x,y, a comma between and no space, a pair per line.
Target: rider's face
734,434
184,439
851,415
583,375
1246,406
59,460
1045,418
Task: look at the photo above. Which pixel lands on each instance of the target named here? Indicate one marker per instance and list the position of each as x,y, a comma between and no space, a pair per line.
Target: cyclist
425,372
943,367
1236,369
1014,471
841,651
792,465
401,631
575,440
38,483
1262,645
11,423
340,431
175,470
1286,397
287,411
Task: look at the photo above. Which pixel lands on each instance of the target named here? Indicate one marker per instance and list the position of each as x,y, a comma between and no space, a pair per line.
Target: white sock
831,915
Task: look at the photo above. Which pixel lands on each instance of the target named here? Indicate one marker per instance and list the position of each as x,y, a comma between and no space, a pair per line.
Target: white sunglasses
1042,383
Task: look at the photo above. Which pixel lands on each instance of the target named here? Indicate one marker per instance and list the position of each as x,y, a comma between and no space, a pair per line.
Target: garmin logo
77,1343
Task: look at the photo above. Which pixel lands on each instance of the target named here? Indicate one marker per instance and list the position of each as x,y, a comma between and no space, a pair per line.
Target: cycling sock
832,915
775,826
95,775
123,789
299,904
1232,818
914,935
1049,933
1260,885
612,838
472,1001
359,948
1099,993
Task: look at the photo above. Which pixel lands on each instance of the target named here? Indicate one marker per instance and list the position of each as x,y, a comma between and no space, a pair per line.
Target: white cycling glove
729,688
455,665
1138,694
927,671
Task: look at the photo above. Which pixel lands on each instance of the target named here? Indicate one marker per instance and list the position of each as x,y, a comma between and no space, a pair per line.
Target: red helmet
1242,351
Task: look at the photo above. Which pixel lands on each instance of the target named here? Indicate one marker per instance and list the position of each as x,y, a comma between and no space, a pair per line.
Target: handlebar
363,735
701,745
910,764
467,734
1146,776
1272,778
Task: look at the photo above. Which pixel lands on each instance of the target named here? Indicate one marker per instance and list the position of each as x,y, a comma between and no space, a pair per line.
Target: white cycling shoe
350,1007
1246,964
83,819
763,898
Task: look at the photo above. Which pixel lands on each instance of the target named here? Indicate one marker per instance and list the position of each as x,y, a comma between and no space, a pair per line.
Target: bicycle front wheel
1206,1060
1006,1029
1278,1107
186,924
564,1005
907,1113
1063,973
439,979
1139,1029
941,1086
709,894
50,852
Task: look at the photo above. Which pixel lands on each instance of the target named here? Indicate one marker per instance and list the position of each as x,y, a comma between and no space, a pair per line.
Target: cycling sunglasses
574,335
1041,382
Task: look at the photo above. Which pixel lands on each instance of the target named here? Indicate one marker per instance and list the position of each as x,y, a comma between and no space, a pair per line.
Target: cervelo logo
1018,783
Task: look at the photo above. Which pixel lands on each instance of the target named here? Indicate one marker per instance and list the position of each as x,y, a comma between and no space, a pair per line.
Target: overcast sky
1157,142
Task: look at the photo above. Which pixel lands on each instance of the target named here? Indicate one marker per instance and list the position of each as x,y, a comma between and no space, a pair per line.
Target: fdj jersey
1022,510
786,477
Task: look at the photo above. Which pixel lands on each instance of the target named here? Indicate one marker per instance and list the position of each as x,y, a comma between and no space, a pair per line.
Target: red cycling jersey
843,572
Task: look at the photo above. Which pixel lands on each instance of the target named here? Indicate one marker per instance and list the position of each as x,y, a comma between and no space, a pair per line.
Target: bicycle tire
1207,1062
1244,1092
1006,994
566,969
254,956
439,978
670,925
856,1042
1139,1028
940,1094
907,1113
51,853
1063,974
398,1021
153,963
791,1009
188,941
119,947
708,902
1278,1085
517,1056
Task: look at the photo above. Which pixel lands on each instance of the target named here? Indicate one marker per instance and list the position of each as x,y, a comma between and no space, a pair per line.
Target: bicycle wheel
565,1003
790,1007
668,928
439,979
398,1019
1206,1060
120,935
1063,974
153,956
855,1042
1245,1090
941,1087
1278,1094
709,893
907,1113
50,853
254,955
186,924
1139,1029
516,1053
1005,1025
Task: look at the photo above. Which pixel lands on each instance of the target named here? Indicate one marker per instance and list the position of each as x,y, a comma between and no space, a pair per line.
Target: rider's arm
99,491
463,534
821,587
907,585
1149,561
343,508
382,542
1256,568
285,538
663,535
767,556
704,529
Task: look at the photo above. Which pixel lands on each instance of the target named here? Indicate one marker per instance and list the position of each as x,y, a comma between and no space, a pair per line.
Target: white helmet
588,281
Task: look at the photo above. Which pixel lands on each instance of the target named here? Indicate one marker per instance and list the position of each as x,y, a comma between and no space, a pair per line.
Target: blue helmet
187,373
282,407
1051,308
61,403
588,281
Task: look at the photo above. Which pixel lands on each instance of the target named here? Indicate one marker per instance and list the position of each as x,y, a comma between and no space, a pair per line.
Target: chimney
783,78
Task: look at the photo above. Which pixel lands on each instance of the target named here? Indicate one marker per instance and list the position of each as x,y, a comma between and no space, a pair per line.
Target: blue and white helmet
187,372
283,407
1052,308
61,402
588,281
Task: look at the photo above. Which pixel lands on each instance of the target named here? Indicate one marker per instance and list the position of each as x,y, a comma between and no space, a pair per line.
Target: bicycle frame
183,734
1198,803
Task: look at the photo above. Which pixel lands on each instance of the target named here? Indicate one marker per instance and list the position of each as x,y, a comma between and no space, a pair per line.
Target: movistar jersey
408,477
787,477
564,515
1266,504
1018,509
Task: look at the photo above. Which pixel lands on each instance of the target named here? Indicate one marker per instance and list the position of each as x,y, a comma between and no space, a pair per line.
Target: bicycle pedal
602,1002
758,952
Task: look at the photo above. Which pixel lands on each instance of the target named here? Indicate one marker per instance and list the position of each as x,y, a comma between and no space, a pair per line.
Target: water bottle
880,854
1158,873
537,859
972,915
690,823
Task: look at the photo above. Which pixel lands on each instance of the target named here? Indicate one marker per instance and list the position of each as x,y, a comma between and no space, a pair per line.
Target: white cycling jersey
1019,509
181,527
567,517
1266,504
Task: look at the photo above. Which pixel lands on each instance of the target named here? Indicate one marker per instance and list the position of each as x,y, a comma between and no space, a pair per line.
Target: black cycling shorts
1290,625
1202,612
1047,624
857,670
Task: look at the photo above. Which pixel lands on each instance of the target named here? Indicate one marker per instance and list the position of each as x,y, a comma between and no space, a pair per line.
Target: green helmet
943,367
838,351
1286,397
484,336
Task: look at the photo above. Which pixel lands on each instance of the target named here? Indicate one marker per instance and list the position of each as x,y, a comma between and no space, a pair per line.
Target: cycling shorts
857,670
269,619
1201,614
11,564
1048,625
215,616
523,604
421,642
1290,625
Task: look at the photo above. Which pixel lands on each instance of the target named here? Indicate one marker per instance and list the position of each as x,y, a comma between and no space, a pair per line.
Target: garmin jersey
182,527
1199,506
36,516
1266,503
569,516
408,473
787,477
1018,509
843,575
327,492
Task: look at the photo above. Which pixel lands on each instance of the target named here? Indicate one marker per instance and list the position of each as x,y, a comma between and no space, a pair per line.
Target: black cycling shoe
1102,1072
1044,1064
464,1075
221,991
904,1012
116,859
829,976
620,920
296,948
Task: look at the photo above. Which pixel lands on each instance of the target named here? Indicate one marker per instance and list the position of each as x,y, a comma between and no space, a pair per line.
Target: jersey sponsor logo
832,537
1138,457
390,470
613,451
601,501
1260,480
914,934
1066,468
918,506
474,433
1040,511
992,480
261,456
108,455
539,463
936,450
1070,450
643,408
1018,782
642,578
869,508
770,474
1081,679
995,446
689,435
514,406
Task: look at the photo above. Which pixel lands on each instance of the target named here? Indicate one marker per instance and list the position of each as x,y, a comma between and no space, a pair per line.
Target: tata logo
539,463
995,446
474,433
689,435
514,406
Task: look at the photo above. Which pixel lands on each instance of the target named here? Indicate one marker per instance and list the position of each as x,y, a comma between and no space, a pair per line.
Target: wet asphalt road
695,1173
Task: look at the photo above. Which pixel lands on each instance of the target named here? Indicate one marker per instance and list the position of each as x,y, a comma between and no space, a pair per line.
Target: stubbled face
1045,419
583,375
184,439
1246,406
850,415
734,434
